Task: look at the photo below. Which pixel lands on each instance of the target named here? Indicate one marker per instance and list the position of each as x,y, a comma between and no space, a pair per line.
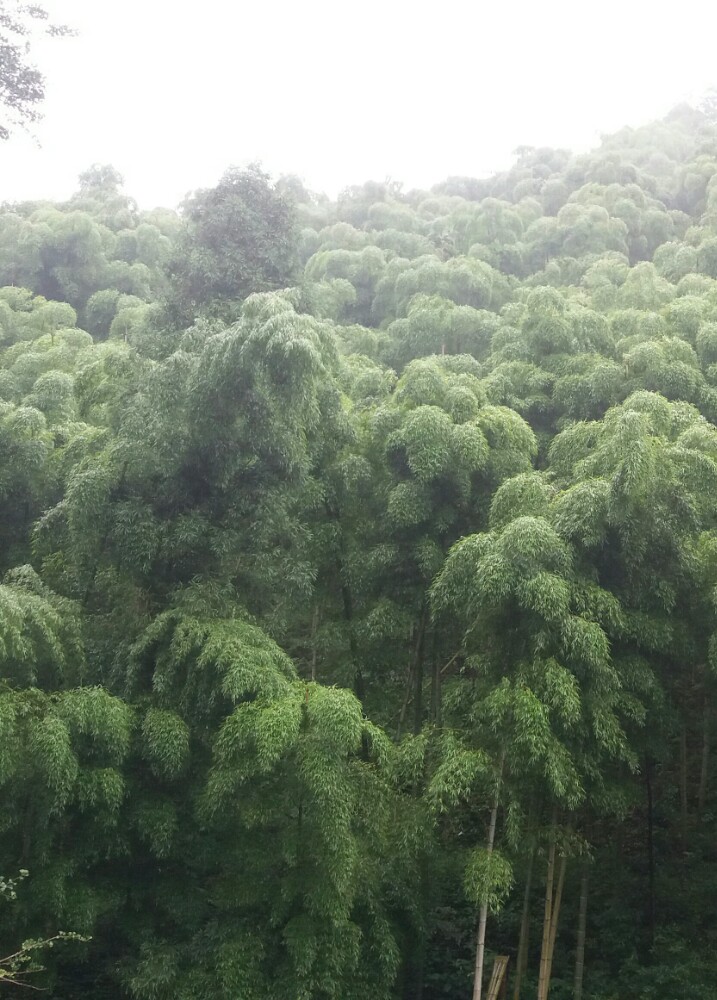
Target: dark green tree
238,238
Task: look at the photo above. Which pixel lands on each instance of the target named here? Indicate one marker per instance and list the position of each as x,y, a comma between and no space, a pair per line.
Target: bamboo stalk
555,914
582,923
650,853
547,918
498,984
314,628
522,959
683,783
418,675
483,918
435,684
705,765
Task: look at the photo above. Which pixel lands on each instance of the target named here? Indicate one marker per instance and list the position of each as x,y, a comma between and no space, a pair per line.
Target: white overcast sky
172,93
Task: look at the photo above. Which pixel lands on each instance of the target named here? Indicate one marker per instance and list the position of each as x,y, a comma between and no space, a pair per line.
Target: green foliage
39,632
302,586
238,238
488,879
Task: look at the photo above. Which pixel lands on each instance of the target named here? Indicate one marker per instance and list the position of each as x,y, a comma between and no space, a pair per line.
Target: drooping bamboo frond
39,632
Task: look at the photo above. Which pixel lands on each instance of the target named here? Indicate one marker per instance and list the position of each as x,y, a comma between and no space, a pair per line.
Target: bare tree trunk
705,766
426,893
483,918
407,697
314,627
547,917
650,854
418,676
582,923
555,913
521,961
435,684
683,783
552,909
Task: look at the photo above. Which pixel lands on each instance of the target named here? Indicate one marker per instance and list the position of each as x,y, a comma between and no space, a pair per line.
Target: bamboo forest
358,601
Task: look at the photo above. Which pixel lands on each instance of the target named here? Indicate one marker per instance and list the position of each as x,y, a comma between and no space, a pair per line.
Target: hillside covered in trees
358,601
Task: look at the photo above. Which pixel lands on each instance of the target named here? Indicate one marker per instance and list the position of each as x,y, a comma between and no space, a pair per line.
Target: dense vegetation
359,568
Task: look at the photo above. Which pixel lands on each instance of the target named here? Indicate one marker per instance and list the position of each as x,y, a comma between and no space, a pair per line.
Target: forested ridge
358,568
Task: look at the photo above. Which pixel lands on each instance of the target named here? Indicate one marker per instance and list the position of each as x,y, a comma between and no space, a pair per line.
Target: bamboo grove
358,607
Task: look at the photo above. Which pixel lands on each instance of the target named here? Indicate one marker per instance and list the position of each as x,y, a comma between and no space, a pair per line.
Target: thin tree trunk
705,766
548,916
483,918
582,924
314,627
554,915
407,696
425,896
683,783
347,601
359,683
418,676
650,856
435,685
521,962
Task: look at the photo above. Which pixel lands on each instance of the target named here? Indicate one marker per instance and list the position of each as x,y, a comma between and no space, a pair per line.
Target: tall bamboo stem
483,918
582,923
548,915
705,765
522,959
555,914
